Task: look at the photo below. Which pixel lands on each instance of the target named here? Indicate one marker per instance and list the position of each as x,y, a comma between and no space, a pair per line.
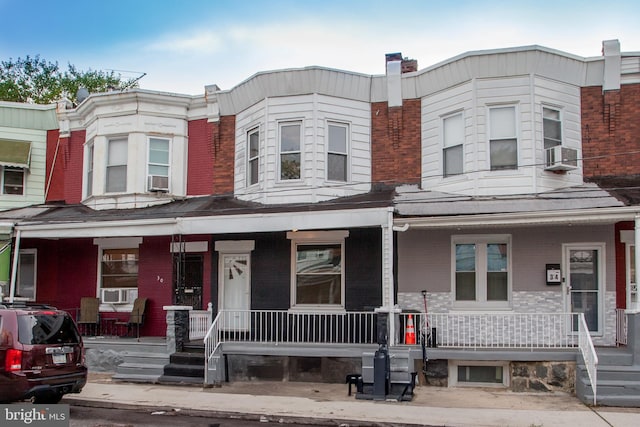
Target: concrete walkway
329,404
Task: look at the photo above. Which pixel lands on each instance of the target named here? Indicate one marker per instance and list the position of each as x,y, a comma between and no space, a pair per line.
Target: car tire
47,398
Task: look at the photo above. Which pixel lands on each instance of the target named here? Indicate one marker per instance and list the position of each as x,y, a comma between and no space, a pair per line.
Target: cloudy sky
183,45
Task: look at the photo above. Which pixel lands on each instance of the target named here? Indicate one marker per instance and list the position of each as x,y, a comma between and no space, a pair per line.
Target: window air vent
561,158
158,183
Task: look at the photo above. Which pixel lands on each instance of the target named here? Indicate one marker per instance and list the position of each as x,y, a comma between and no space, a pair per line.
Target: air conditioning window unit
158,183
561,158
119,295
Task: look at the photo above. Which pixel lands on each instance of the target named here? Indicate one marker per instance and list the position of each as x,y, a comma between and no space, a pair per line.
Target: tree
35,80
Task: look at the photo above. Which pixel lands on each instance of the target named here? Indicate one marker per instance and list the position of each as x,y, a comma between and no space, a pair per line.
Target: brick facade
224,146
611,131
396,143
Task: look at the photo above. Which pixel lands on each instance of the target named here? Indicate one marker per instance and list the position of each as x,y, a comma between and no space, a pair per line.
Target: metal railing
199,322
495,330
211,349
621,326
588,353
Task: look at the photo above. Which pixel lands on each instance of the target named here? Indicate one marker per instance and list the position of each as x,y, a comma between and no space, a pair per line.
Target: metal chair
136,318
89,317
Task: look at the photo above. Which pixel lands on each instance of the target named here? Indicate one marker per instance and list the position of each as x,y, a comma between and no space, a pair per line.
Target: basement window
478,374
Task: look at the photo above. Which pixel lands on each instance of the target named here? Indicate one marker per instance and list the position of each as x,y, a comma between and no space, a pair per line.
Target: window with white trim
453,142
481,270
503,140
253,155
552,127
317,276
116,180
119,275
337,157
290,150
90,156
26,275
12,180
159,162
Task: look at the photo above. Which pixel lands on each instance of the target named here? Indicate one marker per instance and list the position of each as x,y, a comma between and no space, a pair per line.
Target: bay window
253,150
453,142
290,150
116,180
158,167
503,140
337,157
552,127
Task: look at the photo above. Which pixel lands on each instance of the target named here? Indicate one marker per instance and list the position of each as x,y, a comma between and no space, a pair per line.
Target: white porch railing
621,326
588,353
199,323
496,330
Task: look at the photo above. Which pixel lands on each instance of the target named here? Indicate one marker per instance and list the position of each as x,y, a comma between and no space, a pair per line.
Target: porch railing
588,353
495,330
621,326
199,323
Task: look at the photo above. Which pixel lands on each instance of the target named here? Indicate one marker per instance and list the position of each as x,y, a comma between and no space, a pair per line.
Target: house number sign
554,276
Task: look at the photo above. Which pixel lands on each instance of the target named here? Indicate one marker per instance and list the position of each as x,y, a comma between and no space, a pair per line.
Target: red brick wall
200,161
621,266
224,144
66,181
611,131
395,143
55,181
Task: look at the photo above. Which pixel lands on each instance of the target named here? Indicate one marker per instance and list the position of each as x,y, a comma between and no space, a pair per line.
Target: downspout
14,270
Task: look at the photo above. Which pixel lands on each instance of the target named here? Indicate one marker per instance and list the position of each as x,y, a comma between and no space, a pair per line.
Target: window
453,140
318,269
481,270
503,144
475,373
337,152
290,154
158,164
253,150
12,180
90,170
117,166
552,127
26,276
119,275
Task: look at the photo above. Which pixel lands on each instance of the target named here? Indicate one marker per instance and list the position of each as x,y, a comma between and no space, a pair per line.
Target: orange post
410,333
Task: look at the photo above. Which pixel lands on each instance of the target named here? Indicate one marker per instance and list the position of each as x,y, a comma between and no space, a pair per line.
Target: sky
182,46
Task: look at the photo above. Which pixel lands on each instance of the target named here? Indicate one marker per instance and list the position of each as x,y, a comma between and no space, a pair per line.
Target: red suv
41,354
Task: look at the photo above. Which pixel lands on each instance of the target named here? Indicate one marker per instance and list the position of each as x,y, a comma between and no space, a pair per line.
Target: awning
15,153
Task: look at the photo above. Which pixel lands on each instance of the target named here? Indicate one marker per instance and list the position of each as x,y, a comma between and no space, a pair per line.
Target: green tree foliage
38,81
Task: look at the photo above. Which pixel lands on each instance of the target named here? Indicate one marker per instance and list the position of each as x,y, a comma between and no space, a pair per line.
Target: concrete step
187,358
136,378
612,373
133,369
184,370
614,357
142,357
180,380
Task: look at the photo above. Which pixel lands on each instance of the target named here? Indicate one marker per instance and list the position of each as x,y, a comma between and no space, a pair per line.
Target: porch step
618,380
180,380
185,367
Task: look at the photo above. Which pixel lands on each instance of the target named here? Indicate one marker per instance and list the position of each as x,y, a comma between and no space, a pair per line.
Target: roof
28,116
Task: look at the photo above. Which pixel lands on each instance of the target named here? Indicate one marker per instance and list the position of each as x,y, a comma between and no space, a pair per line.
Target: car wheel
47,398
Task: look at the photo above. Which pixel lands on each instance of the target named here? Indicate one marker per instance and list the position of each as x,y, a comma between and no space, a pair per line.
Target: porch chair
89,316
136,318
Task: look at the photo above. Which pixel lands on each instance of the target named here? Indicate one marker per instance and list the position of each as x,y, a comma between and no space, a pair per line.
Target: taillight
13,360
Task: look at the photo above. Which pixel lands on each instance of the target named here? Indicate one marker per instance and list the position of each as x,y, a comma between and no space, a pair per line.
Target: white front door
234,291
584,280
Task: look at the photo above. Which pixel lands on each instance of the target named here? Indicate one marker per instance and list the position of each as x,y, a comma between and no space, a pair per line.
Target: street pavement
329,404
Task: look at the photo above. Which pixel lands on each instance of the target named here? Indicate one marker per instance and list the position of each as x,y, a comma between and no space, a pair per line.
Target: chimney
612,65
394,84
409,65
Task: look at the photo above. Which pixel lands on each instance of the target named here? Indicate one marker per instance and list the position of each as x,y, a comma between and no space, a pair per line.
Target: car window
49,328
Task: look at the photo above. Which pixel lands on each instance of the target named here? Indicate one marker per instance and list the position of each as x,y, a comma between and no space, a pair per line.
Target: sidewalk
318,404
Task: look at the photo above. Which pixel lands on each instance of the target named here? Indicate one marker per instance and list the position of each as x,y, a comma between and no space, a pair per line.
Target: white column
14,271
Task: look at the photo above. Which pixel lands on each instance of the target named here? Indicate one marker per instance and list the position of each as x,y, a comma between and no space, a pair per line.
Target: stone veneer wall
523,302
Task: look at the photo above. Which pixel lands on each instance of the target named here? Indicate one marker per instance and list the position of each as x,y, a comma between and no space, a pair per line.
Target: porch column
388,284
177,327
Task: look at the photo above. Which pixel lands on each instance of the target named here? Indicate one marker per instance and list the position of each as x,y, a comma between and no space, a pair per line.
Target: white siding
527,93
314,112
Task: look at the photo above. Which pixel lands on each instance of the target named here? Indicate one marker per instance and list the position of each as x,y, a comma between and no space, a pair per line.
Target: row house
489,198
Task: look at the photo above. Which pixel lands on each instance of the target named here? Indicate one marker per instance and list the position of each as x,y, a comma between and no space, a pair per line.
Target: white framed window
119,275
453,144
253,156
317,273
90,158
478,374
116,179
481,271
12,180
159,164
290,150
337,152
503,139
552,127
26,277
